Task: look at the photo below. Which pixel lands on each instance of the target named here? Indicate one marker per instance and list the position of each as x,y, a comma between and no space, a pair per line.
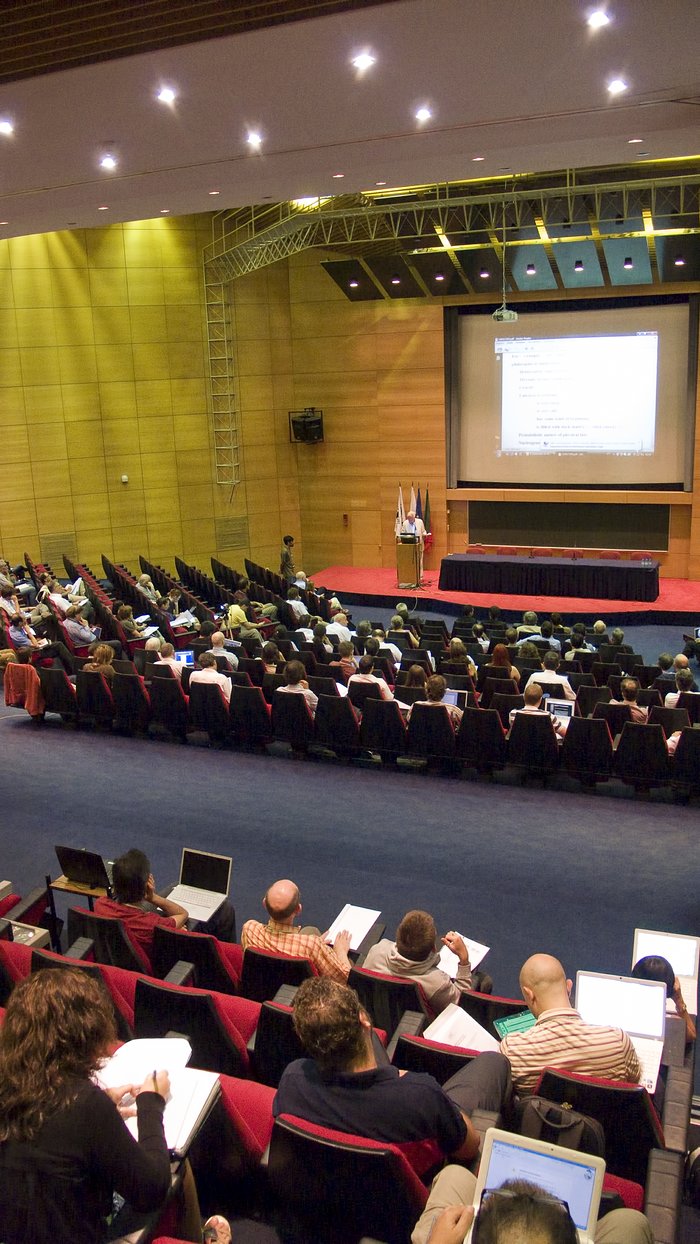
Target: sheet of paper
356,920
454,1027
184,619
449,961
135,1060
143,617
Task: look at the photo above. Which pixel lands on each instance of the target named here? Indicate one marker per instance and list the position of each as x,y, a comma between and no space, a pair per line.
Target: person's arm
333,960
452,1225
463,979
633,1070
469,1147
165,905
569,693
682,1010
138,1170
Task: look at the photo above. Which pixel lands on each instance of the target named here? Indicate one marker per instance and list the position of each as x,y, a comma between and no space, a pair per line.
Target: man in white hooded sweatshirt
415,955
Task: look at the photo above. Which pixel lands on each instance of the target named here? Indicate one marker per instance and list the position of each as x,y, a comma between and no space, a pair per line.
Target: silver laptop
573,1177
559,708
682,952
638,1007
204,883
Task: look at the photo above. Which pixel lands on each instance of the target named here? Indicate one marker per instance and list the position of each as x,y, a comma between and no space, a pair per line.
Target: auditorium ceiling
462,118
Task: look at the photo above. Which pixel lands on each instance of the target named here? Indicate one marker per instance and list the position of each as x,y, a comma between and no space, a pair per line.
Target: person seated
510,637
346,665
9,603
656,968
295,683
282,902
417,677
64,1145
436,687
296,604
22,637
172,603
144,585
365,675
271,657
578,642
617,640
132,628
680,662
500,659
363,630
397,625
629,690
684,682
558,623
101,662
341,1085
480,637
339,627
468,615
17,581
384,643
550,674
494,613
457,655
415,955
548,638
166,656
141,909
560,1038
529,624
600,635
247,632
219,649
518,1212
82,634
62,598
534,697
207,672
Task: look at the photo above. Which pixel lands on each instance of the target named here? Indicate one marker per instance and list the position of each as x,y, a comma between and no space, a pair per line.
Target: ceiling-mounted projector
504,315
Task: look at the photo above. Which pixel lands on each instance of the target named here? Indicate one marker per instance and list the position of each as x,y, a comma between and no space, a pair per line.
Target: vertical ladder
221,383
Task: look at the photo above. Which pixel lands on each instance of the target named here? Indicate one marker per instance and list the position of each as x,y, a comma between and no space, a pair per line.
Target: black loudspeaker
306,426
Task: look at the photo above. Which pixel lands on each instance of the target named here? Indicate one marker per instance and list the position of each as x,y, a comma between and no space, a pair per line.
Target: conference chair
124,666
647,675
689,700
323,686
270,683
111,942
168,708
685,766
292,721
641,759
217,965
601,671
94,698
275,1044
491,671
577,678
587,750
59,693
588,697
670,719
504,705
487,1007
481,740
388,998
264,972
431,734
532,745
123,1012
416,1053
360,692
254,669
616,715
649,697
132,704
383,729
331,1185
217,1026
337,725
497,686
208,712
249,717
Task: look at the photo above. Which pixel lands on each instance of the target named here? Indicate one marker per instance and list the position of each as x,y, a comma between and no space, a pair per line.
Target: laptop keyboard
648,1052
190,894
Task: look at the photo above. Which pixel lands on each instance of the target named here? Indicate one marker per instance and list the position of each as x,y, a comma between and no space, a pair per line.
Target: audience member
500,659
247,632
560,1038
684,682
436,687
64,1149
529,624
296,604
617,640
533,696
457,655
219,649
23,639
397,625
82,634
384,643
417,677
166,656
282,902
550,674
339,627
656,968
629,690
101,658
144,585
131,628
365,674
208,673
480,637
271,657
415,955
346,665
558,623
599,633
295,683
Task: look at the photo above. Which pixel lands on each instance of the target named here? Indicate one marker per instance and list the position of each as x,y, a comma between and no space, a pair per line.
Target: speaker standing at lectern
412,526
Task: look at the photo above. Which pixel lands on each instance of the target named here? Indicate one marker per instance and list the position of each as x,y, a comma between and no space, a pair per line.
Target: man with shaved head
282,902
560,1038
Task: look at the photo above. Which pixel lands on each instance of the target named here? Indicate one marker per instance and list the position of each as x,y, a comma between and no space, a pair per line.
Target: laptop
451,697
185,656
682,952
204,883
638,1007
84,868
573,1177
559,708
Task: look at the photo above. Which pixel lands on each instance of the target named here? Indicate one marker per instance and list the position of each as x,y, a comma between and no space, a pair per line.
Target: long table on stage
595,578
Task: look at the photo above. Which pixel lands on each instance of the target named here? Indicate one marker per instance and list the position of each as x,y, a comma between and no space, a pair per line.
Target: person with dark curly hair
64,1148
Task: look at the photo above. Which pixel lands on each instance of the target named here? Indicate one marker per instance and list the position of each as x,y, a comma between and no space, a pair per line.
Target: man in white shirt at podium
412,526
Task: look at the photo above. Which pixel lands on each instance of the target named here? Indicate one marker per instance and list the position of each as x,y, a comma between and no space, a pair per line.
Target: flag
412,506
426,520
419,507
400,513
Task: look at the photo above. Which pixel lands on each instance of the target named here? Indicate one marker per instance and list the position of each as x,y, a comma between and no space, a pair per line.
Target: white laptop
204,883
638,1007
682,952
559,708
573,1177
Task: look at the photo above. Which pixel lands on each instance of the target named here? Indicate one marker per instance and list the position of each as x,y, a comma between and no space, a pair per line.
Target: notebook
84,868
573,1177
682,952
356,920
454,1026
185,656
449,961
204,883
638,1007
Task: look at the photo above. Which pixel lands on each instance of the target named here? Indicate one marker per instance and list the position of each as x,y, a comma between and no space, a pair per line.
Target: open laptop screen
450,697
570,1181
681,952
636,1006
204,871
560,708
185,656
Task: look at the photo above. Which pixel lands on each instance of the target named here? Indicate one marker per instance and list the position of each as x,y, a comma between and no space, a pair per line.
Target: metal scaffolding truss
253,238
221,382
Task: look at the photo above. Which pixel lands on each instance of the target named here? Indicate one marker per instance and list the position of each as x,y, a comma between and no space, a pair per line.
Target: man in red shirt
135,897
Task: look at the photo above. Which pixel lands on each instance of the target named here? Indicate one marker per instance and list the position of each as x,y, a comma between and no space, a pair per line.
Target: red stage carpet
678,600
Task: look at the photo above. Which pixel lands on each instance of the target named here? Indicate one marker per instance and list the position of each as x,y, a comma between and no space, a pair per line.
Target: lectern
408,561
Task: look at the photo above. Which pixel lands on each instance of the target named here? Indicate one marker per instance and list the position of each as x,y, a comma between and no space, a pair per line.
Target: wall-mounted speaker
306,426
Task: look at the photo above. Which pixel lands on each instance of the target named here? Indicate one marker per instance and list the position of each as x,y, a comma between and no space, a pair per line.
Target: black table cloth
594,579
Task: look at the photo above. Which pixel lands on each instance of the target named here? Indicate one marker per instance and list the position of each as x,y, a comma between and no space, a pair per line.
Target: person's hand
150,887
124,1096
342,942
156,1082
452,1225
456,944
678,997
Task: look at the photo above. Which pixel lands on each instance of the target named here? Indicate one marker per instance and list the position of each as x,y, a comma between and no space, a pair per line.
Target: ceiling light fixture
254,139
617,86
337,176
215,192
477,159
439,276
597,19
578,265
531,269
108,162
164,211
6,127
363,61
167,95
484,274
396,280
635,140
103,208
423,114
628,263
380,183
353,283
679,261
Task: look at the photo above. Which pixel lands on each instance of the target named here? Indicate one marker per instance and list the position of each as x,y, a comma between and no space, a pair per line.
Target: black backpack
560,1125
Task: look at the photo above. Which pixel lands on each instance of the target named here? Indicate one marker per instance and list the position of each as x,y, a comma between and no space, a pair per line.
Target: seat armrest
181,973
80,949
663,1192
676,1112
285,995
411,1024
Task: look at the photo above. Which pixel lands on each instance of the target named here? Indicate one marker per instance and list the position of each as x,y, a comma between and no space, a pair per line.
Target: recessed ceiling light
215,192
337,176
617,86
364,61
439,276
423,114
254,139
396,280
164,211
477,159
6,127
578,266
597,19
679,261
635,140
484,274
380,183
641,155
353,283
167,95
531,269
628,263
4,222
108,162
103,208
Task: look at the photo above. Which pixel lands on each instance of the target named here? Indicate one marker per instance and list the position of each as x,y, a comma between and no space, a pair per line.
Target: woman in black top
64,1149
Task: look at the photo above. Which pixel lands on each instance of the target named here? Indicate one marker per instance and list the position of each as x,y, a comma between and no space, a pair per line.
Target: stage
678,602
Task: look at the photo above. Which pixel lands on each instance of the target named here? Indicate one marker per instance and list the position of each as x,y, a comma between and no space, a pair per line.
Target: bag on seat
560,1125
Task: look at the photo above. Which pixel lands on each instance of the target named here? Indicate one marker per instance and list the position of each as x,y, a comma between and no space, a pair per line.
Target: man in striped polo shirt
560,1038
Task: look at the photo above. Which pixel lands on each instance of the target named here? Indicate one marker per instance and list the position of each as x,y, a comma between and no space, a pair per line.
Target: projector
504,315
